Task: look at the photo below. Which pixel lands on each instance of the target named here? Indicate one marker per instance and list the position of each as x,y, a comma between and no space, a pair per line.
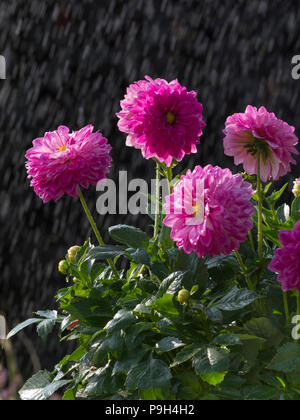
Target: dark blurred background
69,62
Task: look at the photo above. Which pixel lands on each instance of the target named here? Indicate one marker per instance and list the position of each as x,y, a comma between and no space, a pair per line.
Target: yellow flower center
170,117
198,210
62,148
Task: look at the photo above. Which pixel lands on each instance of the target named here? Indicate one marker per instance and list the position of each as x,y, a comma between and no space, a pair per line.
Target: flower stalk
260,207
286,305
95,229
157,198
244,270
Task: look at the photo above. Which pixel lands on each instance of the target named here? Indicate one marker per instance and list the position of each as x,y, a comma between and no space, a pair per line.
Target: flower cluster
162,119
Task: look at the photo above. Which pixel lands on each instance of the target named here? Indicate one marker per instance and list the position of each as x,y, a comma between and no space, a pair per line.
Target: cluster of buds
296,187
72,253
63,266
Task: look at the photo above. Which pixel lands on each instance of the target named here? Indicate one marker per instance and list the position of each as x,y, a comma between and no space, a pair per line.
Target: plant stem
251,241
286,305
95,229
169,178
244,270
157,206
260,206
298,304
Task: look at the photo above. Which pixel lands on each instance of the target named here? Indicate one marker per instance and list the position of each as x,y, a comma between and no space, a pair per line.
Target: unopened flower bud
73,325
296,187
63,267
183,296
72,252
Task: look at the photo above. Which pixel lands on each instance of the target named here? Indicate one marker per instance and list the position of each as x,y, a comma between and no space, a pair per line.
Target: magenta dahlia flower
258,131
161,119
286,261
61,161
209,211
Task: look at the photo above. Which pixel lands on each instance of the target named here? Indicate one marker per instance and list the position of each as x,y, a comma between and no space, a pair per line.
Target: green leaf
45,328
193,267
172,284
287,359
47,314
212,365
140,256
121,320
70,394
251,347
154,374
190,387
102,383
129,235
91,311
236,299
165,242
260,392
295,211
105,252
159,269
41,387
165,305
134,336
262,327
23,325
168,344
222,268
276,195
130,360
227,340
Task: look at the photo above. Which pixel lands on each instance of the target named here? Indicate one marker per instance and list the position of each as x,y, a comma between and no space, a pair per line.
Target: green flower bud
63,267
72,252
296,187
183,296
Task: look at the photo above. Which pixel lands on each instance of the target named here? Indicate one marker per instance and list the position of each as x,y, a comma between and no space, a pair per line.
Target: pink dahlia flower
286,261
61,161
162,119
260,131
209,211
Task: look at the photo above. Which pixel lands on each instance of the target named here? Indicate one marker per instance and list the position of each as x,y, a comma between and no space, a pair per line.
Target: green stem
298,304
251,241
157,206
286,305
244,270
260,207
95,229
169,178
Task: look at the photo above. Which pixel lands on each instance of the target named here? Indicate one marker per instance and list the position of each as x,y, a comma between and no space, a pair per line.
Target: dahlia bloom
161,119
260,131
286,261
61,161
209,211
